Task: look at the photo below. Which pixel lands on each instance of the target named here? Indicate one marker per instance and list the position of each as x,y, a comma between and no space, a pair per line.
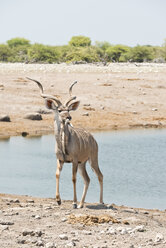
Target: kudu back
73,145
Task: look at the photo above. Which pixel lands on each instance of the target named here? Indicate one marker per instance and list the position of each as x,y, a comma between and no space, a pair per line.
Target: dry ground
120,95
33,222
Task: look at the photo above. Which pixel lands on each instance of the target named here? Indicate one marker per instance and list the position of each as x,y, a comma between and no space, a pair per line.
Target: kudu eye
59,111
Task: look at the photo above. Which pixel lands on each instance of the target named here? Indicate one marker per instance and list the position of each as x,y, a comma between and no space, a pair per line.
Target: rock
64,219
37,217
124,231
111,207
111,231
85,114
140,228
37,233
40,243
33,117
48,208
7,223
26,232
63,237
86,232
71,244
50,245
14,201
21,241
154,109
5,118
24,134
30,201
129,210
159,237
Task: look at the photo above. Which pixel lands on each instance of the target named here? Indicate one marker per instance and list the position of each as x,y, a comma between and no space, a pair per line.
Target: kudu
73,145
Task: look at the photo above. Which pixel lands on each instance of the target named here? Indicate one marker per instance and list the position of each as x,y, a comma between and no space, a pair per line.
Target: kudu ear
73,106
50,104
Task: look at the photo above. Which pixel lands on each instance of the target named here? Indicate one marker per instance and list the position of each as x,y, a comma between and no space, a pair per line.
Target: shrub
102,44
5,53
80,41
86,54
15,42
141,54
117,53
41,53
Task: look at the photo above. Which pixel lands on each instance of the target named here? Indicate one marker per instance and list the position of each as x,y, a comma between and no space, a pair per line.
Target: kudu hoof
74,205
80,206
59,202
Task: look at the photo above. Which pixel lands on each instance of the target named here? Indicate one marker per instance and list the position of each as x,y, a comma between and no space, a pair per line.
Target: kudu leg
74,175
58,171
83,173
96,169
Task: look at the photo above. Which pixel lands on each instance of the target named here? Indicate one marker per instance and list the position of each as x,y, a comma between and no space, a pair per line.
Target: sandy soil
119,95
33,222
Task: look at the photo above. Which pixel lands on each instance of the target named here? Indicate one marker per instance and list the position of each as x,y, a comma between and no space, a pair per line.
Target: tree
164,49
41,53
5,53
80,41
141,54
86,54
102,44
116,52
15,42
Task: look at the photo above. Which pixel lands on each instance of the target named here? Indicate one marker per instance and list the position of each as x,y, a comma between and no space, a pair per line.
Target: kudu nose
69,118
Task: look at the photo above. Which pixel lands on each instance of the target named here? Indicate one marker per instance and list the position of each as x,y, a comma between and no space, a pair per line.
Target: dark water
133,164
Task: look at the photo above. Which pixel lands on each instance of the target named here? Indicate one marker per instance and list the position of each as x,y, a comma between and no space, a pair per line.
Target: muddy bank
117,96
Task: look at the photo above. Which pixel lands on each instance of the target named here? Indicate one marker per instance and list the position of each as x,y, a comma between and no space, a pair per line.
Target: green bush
5,53
80,41
86,54
141,54
104,45
117,53
78,49
15,42
41,53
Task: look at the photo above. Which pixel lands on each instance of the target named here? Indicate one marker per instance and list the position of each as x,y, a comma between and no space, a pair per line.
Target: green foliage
41,53
5,53
80,41
104,45
86,54
141,54
164,49
15,42
117,53
79,49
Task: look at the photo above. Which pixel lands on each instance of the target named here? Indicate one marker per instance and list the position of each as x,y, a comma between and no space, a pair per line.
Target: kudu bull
73,145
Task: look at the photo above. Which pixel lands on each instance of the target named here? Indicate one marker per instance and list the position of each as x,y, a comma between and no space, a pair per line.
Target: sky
54,22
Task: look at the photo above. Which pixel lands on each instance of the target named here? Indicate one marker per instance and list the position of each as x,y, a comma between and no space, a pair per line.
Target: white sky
54,22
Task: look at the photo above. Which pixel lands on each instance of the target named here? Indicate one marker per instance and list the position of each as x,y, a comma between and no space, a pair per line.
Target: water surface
133,164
